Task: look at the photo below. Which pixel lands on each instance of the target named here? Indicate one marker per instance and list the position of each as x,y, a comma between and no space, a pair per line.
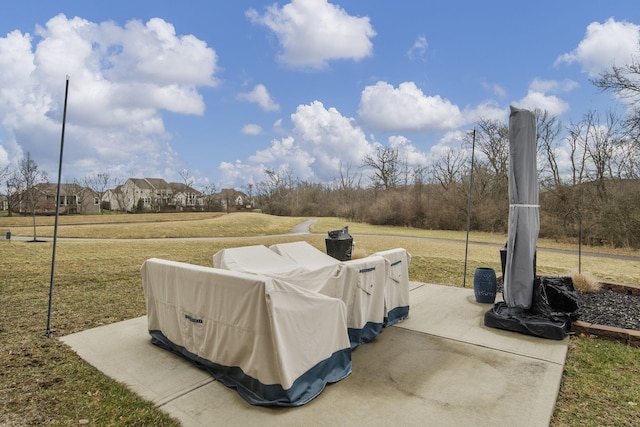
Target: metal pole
466,248
579,243
576,213
55,227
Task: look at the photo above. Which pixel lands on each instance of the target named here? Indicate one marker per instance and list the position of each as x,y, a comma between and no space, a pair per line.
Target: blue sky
224,90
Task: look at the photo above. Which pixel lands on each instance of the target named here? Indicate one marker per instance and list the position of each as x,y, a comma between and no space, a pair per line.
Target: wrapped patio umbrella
524,210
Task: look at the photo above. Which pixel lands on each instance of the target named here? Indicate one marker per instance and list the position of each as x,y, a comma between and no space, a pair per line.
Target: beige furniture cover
276,343
396,292
359,283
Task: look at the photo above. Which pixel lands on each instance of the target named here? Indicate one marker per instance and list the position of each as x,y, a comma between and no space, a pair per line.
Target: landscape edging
611,333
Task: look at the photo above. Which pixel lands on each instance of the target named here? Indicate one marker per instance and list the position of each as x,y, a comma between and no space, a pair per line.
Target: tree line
596,183
590,187
588,172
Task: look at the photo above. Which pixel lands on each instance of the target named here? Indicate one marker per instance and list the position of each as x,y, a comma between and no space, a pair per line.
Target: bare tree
4,172
118,194
624,81
31,177
15,191
385,167
577,151
449,168
277,192
99,183
548,128
210,200
85,195
492,140
227,197
188,180
346,181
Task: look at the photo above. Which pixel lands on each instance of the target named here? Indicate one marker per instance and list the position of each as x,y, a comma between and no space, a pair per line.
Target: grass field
97,282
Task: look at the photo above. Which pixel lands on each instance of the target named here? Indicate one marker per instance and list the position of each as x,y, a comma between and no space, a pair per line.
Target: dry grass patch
98,282
585,282
168,226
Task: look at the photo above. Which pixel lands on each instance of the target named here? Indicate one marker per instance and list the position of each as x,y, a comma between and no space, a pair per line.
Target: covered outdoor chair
359,284
396,289
275,343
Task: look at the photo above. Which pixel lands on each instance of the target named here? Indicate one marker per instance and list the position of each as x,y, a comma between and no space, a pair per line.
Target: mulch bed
607,307
613,313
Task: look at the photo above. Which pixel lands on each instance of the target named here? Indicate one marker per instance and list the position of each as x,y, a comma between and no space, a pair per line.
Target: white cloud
604,44
259,95
4,157
496,89
554,105
489,110
320,140
419,49
121,78
554,86
406,108
539,96
278,128
407,151
313,32
251,129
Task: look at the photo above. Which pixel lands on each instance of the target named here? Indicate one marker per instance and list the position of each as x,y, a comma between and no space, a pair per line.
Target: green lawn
98,282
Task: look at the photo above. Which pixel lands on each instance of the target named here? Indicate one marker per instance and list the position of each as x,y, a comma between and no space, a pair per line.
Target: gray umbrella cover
524,210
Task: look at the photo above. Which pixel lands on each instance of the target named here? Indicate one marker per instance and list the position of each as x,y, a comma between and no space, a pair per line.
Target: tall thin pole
55,226
576,213
466,247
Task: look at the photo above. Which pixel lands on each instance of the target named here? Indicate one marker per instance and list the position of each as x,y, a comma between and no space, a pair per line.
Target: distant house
153,194
231,198
113,199
74,199
4,203
186,197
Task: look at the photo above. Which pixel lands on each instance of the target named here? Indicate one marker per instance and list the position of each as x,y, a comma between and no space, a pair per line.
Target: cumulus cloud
407,152
553,86
539,96
121,78
419,48
604,44
406,108
313,32
320,140
251,129
259,95
538,100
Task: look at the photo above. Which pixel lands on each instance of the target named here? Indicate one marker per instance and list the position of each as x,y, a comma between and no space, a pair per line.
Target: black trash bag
516,319
339,244
554,307
555,298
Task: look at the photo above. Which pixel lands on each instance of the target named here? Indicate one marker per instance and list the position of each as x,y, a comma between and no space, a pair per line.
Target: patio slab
440,367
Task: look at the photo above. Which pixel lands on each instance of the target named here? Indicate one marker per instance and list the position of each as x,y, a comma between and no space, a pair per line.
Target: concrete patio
440,367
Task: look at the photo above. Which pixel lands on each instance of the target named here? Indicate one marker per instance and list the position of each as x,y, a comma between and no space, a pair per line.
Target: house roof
179,187
65,189
158,183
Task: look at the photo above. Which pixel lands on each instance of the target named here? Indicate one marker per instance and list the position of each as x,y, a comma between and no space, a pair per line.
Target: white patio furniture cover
396,290
276,343
360,283
304,253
